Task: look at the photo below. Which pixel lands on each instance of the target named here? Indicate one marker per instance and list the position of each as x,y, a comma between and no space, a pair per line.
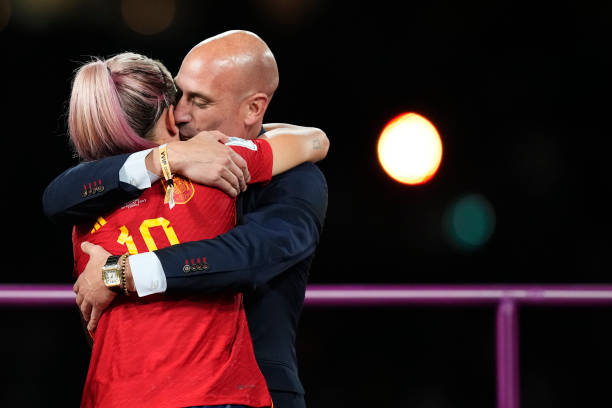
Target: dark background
519,92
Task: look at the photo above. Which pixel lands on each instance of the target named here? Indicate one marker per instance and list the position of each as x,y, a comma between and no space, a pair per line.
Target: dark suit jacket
267,255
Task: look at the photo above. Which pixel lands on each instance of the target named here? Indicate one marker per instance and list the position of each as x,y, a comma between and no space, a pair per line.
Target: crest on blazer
183,189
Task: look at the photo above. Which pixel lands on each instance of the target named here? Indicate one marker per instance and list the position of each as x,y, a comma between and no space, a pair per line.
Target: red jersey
166,351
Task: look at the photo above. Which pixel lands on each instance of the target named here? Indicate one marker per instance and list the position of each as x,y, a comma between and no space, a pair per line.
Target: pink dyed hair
116,103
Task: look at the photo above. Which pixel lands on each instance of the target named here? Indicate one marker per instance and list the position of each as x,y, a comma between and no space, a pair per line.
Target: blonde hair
115,104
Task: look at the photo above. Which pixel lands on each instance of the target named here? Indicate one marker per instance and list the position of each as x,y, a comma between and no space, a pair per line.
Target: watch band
112,262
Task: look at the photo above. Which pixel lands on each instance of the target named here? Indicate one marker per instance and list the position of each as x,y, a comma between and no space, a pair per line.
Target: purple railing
506,298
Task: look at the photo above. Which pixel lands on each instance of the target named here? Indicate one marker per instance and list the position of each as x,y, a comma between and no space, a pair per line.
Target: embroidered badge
183,189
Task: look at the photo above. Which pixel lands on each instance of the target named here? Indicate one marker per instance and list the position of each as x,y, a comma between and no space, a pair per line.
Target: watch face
112,278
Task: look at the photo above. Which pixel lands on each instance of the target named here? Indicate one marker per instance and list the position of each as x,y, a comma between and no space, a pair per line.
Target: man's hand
92,295
206,160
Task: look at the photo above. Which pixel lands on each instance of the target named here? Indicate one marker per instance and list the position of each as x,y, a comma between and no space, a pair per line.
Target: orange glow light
410,149
148,17
5,13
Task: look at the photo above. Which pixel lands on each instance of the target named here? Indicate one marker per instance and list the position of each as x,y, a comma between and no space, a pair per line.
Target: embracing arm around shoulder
293,145
89,189
94,187
281,227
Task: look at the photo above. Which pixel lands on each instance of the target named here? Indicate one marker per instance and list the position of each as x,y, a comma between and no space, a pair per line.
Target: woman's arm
293,145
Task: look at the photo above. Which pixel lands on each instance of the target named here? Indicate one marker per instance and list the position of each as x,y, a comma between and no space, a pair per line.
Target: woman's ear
171,123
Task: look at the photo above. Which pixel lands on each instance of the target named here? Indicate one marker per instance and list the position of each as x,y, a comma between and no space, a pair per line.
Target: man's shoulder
305,183
308,171
305,180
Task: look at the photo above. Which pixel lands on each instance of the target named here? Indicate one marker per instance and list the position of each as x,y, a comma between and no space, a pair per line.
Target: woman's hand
206,160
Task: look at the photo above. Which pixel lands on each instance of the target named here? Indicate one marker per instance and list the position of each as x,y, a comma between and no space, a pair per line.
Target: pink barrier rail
506,298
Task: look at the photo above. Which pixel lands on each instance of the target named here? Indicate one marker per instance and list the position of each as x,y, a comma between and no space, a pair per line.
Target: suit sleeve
282,230
87,190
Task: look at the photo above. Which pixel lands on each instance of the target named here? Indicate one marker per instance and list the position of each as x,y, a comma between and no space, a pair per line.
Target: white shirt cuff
134,171
148,274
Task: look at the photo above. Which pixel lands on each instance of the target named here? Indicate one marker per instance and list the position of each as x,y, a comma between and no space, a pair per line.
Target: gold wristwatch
111,273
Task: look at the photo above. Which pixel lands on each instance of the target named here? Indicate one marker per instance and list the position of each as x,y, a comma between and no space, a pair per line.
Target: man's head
226,83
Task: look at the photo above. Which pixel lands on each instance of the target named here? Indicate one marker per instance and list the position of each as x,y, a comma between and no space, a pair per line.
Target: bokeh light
286,12
469,222
148,16
5,13
41,14
410,149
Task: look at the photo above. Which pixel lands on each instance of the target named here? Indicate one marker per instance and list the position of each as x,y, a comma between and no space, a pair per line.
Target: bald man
227,82
225,85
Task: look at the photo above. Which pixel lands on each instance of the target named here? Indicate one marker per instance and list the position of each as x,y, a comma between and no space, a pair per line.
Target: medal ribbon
165,165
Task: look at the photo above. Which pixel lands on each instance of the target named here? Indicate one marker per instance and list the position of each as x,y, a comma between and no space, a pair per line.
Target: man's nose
181,112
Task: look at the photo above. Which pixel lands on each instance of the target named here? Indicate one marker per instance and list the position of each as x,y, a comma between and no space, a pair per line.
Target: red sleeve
79,235
258,155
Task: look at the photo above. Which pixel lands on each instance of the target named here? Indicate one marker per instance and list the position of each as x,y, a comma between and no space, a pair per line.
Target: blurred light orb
5,13
41,12
287,13
469,222
410,149
148,16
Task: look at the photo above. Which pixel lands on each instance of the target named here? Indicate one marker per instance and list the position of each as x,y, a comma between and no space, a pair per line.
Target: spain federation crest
183,189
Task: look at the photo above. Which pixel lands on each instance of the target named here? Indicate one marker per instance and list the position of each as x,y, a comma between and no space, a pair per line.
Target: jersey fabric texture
165,351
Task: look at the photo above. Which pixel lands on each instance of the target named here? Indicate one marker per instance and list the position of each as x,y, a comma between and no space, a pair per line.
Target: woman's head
116,104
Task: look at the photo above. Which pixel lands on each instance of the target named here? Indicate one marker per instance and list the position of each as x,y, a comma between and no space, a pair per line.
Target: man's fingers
93,322
79,299
75,288
86,310
89,248
94,251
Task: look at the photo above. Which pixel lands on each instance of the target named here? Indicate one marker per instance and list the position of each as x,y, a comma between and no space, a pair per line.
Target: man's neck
254,131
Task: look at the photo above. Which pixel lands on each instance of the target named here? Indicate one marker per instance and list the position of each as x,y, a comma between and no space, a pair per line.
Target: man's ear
256,106
171,123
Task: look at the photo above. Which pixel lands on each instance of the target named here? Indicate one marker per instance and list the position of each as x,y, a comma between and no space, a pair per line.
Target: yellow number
126,239
157,222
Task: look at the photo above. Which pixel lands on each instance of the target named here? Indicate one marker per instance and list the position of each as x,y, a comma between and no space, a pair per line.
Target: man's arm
282,230
92,188
87,190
